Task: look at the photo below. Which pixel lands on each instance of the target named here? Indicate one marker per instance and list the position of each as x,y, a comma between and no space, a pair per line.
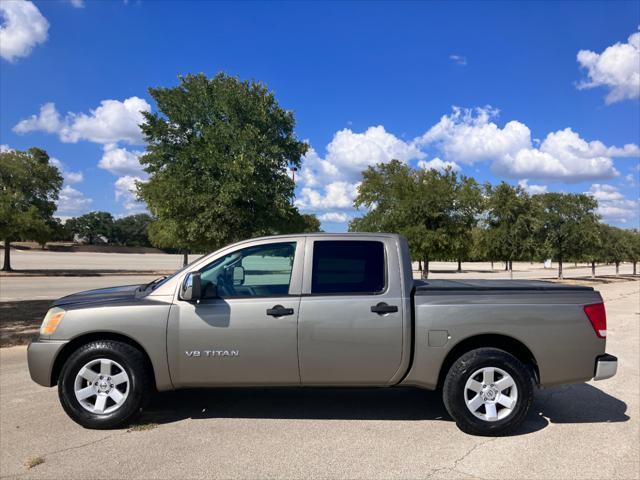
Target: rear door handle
383,308
279,311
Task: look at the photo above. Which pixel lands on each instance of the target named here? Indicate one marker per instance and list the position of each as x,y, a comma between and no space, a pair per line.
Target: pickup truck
321,310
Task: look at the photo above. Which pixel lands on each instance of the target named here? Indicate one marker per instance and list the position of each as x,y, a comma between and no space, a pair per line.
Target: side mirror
191,290
238,275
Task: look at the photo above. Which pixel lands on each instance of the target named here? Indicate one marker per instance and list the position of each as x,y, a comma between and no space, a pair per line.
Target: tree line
219,152
450,217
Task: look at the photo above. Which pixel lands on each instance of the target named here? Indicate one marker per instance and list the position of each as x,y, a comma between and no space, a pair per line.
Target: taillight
598,318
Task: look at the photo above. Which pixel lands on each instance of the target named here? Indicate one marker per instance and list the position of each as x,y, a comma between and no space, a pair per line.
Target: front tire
488,392
104,384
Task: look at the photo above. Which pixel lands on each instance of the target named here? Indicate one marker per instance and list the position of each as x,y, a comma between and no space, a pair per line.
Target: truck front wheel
488,391
104,384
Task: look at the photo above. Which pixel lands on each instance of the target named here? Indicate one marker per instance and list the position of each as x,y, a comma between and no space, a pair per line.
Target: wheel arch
81,340
490,340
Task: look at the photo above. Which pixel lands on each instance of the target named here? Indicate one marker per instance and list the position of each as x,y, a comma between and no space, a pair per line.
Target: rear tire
488,392
104,384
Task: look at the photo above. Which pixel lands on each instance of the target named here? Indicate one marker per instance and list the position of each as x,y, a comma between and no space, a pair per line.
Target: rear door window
345,267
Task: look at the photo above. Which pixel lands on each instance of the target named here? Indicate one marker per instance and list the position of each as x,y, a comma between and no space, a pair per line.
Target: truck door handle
279,311
383,308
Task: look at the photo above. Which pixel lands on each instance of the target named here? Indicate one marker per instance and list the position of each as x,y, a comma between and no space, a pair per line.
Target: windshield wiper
153,282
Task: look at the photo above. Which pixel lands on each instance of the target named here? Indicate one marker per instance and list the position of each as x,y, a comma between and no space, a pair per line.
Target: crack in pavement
457,461
54,452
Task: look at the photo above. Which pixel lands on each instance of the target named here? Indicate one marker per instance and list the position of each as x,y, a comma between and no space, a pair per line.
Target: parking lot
580,431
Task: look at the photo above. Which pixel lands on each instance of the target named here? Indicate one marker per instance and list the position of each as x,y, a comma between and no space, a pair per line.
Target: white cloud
72,202
48,120
22,27
465,136
5,148
438,164
77,3
532,189
613,206
113,121
332,181
125,192
337,217
458,59
349,153
617,68
470,136
69,177
121,161
336,195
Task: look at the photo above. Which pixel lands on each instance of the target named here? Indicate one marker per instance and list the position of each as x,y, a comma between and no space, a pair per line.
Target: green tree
218,157
633,242
29,188
468,204
132,230
593,251
93,225
615,245
568,225
423,205
301,223
512,221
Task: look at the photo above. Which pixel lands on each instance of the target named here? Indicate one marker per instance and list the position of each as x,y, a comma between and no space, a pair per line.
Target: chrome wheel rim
491,394
102,386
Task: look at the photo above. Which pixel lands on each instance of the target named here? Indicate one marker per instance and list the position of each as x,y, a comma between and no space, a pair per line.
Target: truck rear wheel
104,384
488,392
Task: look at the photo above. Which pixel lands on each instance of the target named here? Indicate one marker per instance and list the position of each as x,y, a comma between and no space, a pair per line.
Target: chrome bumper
606,367
41,355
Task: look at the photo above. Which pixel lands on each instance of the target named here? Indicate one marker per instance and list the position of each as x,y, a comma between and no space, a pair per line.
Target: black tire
454,391
133,362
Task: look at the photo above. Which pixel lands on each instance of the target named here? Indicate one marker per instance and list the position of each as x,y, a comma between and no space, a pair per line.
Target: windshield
177,272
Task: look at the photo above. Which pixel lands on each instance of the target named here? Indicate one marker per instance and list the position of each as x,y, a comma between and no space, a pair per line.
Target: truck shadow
580,403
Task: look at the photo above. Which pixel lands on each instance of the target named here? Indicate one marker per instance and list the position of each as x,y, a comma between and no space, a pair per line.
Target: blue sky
544,94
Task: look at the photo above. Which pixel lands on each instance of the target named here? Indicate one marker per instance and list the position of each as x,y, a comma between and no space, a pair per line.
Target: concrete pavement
579,431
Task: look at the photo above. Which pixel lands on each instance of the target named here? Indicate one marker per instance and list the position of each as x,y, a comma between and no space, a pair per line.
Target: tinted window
348,267
263,270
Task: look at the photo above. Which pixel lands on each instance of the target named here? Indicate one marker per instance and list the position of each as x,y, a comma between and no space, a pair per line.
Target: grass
141,427
34,462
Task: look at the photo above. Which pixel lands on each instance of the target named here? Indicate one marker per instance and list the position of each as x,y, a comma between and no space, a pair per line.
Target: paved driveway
580,431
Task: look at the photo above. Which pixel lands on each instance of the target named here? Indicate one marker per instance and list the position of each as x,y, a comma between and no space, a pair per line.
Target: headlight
51,321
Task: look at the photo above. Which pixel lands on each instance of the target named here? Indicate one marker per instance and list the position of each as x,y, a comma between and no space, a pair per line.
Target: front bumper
41,356
606,367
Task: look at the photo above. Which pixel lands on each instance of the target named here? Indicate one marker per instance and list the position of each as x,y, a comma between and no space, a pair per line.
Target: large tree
29,188
430,208
512,221
132,230
218,157
569,225
93,225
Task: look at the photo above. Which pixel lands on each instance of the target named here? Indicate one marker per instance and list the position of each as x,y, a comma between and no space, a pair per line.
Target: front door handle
279,311
383,308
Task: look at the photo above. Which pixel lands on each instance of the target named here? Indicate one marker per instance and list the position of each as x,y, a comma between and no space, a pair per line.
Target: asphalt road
580,431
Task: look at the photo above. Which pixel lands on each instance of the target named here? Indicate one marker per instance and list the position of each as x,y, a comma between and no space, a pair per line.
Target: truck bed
425,287
545,318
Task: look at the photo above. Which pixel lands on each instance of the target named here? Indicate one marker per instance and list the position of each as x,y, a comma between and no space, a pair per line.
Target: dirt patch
34,462
20,321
